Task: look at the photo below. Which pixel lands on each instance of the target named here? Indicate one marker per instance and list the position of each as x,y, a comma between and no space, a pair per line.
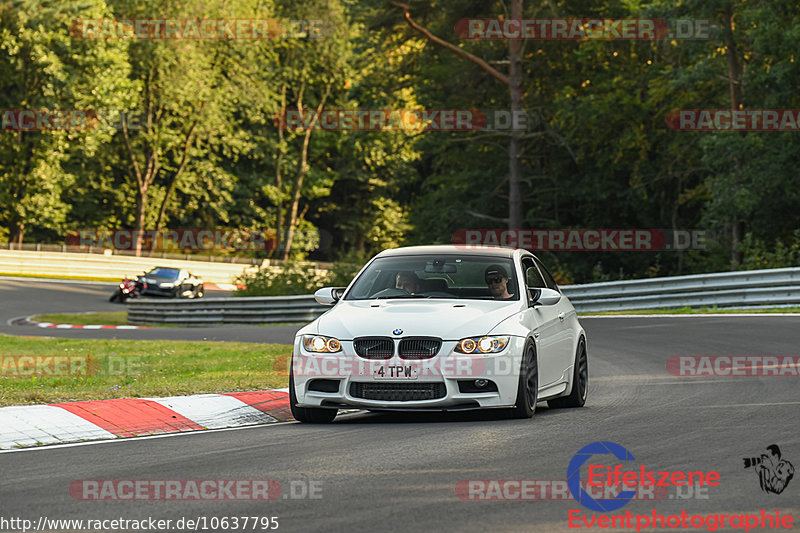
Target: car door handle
561,316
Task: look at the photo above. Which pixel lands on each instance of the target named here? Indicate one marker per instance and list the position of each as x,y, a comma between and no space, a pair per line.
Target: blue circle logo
398,331
574,476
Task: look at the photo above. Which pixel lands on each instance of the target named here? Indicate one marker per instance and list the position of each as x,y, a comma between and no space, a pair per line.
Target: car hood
447,319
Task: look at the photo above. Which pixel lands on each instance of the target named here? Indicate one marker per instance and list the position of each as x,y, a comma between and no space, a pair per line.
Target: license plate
395,372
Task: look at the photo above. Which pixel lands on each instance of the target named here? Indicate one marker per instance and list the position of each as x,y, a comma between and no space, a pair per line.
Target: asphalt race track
399,472
24,297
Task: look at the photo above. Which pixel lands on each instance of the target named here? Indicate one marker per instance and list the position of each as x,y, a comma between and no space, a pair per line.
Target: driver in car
409,282
497,280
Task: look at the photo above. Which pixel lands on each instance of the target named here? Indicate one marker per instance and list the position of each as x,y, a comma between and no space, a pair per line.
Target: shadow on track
399,417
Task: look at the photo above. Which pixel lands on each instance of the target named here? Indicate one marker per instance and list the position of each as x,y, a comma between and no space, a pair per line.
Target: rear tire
309,415
580,381
528,387
199,292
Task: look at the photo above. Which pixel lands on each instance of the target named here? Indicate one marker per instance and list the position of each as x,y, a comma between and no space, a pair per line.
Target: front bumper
153,290
443,382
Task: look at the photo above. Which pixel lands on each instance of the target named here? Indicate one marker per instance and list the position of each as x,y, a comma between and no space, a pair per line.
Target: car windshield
435,276
163,272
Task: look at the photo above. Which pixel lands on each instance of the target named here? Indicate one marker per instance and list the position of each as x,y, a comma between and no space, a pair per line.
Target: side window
532,277
548,279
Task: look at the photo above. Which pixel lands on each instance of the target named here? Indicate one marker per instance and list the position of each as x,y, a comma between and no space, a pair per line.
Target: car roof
449,249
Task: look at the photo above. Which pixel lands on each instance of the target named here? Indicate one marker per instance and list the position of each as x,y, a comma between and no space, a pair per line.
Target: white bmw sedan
441,328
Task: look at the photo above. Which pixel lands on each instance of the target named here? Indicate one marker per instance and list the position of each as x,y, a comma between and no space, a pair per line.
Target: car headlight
482,344
320,344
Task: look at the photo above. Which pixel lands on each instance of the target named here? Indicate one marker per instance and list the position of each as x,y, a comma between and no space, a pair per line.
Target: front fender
511,326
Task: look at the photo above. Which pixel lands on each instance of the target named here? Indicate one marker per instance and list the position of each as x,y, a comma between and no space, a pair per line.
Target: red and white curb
29,320
36,425
87,326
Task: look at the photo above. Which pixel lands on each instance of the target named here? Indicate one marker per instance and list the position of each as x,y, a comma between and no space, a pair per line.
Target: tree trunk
302,171
736,238
171,188
734,69
141,210
514,83
515,142
143,178
278,251
291,218
18,233
360,244
734,75
674,223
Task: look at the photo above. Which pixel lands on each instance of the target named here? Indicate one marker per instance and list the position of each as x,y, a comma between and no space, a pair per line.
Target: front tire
528,387
580,381
309,415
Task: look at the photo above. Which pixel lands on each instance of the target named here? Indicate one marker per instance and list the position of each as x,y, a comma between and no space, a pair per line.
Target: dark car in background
171,282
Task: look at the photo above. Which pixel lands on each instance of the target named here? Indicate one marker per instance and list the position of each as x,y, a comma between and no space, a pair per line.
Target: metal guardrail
776,287
219,311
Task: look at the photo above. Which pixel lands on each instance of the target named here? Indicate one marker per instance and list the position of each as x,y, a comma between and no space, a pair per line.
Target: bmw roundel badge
398,331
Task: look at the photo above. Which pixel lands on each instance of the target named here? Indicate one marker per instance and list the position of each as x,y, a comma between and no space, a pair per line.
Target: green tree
44,68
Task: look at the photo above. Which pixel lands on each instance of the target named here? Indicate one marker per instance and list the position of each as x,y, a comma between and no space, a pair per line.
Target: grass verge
91,369
111,318
699,311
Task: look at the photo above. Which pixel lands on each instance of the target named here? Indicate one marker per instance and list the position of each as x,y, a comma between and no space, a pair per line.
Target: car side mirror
543,297
328,295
